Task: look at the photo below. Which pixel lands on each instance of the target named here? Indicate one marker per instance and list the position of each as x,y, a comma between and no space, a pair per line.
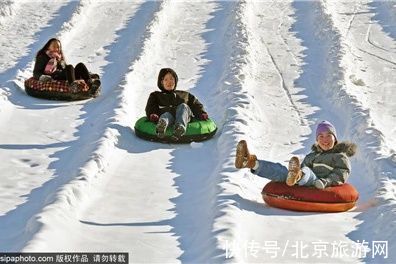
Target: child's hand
154,117
45,78
53,55
204,116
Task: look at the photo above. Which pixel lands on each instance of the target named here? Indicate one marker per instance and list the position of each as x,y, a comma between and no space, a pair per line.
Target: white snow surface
75,178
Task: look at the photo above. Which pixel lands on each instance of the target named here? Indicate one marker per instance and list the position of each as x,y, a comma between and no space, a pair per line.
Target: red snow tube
308,199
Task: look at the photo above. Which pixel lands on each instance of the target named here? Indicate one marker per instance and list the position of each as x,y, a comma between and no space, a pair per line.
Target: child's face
54,46
326,140
168,82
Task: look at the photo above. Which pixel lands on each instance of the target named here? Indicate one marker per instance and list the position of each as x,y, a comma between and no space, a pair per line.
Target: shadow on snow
20,224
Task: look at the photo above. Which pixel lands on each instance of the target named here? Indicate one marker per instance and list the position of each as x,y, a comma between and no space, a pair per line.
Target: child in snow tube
50,66
170,106
327,165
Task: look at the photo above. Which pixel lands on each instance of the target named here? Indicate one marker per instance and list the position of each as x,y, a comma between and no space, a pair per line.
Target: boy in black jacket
170,106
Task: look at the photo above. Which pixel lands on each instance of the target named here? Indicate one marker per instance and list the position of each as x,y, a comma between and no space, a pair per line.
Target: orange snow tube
308,199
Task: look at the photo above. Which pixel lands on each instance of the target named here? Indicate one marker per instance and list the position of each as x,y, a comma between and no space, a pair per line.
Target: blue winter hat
326,126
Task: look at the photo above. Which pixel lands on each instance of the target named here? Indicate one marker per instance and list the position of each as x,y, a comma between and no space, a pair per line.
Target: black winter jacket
41,62
163,101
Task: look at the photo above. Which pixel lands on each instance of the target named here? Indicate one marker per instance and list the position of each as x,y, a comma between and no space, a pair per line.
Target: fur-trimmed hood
346,147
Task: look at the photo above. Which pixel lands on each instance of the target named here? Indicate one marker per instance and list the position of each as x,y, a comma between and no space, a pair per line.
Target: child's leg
60,75
163,122
271,170
168,118
183,115
308,177
82,72
70,76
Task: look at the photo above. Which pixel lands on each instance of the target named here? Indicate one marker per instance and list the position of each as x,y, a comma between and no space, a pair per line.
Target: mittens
54,55
154,117
45,78
204,116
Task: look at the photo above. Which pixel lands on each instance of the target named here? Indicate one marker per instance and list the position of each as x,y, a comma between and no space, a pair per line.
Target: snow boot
321,183
94,75
94,85
74,87
161,128
295,173
243,158
179,131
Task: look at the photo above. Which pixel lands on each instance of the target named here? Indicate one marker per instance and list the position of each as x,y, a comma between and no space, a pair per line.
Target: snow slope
75,178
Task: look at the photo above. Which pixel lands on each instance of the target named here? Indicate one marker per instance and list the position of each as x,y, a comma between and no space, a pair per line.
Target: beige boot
243,158
295,172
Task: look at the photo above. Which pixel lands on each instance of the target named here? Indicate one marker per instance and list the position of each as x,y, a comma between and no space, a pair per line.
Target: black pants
77,73
71,73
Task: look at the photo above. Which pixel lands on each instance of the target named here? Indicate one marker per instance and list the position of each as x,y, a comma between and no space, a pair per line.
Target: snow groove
376,160
72,196
63,192
20,222
234,103
248,84
194,231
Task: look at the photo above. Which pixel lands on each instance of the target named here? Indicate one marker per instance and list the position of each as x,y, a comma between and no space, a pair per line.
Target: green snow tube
197,130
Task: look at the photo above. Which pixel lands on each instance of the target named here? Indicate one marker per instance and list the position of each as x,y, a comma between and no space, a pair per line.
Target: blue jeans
277,172
183,116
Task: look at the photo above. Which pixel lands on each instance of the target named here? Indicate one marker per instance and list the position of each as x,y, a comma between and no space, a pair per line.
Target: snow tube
58,90
197,130
308,199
